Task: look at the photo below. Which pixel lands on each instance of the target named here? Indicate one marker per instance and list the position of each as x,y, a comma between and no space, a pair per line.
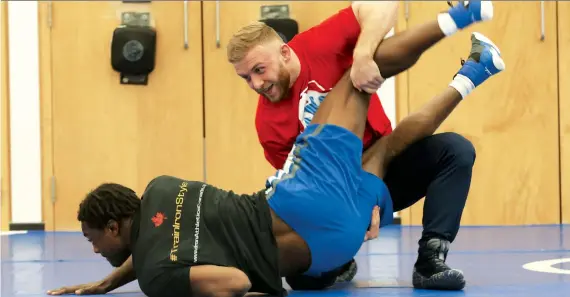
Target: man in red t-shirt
325,52
294,78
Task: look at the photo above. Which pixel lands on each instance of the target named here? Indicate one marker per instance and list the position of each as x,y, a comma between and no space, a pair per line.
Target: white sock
462,84
446,24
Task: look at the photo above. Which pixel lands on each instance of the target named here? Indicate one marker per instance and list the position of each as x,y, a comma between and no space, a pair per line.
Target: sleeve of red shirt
336,35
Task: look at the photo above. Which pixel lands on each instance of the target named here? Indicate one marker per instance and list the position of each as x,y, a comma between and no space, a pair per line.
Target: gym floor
497,261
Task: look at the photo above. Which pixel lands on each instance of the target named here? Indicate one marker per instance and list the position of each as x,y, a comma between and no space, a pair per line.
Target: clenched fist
365,75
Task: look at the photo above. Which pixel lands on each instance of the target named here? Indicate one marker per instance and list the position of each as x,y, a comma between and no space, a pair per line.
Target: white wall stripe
24,84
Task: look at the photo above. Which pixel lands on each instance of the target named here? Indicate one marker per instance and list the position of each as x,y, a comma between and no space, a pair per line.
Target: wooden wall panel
103,131
5,118
46,119
564,105
402,94
512,119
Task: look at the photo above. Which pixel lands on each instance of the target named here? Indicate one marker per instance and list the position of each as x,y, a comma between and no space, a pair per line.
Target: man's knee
459,149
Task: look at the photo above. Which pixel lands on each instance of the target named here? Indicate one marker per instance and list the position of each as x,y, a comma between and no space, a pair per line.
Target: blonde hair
247,38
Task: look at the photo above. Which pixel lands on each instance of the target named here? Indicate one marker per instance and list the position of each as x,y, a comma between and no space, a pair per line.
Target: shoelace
439,259
460,1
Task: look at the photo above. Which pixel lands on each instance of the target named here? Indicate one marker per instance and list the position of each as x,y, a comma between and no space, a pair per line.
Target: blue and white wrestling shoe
466,12
430,270
484,60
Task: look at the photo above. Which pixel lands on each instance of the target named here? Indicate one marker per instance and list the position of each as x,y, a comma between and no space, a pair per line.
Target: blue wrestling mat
497,261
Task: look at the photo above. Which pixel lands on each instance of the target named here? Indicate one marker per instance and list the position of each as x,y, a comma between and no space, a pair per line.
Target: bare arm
412,128
196,281
217,281
376,19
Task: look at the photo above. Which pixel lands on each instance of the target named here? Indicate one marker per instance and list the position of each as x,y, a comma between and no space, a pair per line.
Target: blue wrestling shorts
327,198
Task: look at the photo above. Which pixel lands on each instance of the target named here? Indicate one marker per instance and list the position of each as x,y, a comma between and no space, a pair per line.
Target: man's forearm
218,281
376,19
120,276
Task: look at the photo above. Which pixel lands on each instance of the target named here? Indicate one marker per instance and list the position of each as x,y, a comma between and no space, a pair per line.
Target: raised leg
401,51
484,61
393,56
344,106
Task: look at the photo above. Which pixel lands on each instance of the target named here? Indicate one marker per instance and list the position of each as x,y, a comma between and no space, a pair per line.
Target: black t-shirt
186,223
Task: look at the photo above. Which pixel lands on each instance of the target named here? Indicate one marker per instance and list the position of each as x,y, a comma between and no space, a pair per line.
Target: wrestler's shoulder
169,180
167,183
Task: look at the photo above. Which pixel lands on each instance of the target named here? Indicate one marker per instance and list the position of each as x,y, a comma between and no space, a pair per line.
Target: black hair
107,202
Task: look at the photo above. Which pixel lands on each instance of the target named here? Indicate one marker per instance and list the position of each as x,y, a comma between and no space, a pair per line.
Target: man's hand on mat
374,229
94,288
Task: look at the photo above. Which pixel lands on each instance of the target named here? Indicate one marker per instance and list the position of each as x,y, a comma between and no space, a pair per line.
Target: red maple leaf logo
158,219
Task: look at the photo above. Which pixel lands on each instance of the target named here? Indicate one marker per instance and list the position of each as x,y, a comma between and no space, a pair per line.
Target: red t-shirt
325,52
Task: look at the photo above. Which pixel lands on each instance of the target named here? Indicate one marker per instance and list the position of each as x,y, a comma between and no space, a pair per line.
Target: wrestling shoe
430,270
348,272
466,12
484,61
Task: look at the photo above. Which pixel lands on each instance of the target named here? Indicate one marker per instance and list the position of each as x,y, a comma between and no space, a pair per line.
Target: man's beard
116,260
282,83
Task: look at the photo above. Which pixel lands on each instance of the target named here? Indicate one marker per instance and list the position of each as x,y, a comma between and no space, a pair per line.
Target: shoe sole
497,60
349,274
486,40
448,280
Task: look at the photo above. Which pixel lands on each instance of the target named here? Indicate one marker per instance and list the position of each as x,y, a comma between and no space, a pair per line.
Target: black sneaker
430,270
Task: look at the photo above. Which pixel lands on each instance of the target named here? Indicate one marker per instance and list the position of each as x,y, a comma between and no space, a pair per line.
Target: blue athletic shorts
327,198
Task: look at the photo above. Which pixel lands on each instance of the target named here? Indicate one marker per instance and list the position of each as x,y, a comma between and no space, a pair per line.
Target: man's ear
113,227
286,52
